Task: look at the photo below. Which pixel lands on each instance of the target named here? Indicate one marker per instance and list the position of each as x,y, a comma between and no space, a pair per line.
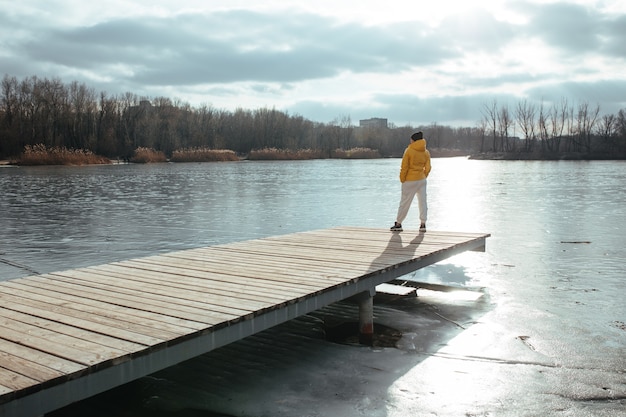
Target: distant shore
562,156
270,155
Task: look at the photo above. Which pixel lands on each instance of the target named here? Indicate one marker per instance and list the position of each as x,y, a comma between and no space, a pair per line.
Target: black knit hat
417,135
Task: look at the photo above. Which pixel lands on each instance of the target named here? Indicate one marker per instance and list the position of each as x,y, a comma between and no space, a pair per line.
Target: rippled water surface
64,217
557,254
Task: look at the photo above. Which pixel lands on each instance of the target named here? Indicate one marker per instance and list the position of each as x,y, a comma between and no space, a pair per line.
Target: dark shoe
423,227
397,227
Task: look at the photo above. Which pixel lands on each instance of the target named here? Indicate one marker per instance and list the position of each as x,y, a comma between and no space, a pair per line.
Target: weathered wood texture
67,335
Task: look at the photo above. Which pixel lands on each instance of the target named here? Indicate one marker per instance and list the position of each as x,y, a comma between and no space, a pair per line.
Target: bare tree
107,137
525,115
10,112
345,122
607,132
558,117
585,122
504,124
621,132
542,128
490,115
436,136
8,99
482,129
569,128
82,118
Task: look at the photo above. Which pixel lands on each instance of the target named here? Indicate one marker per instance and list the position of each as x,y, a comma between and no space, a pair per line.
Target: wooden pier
68,335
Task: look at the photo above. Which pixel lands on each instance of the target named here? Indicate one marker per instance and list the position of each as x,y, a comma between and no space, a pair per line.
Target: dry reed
300,154
40,154
285,154
356,153
203,155
147,155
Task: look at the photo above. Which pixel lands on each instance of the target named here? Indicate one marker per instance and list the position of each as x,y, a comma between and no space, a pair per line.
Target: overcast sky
412,62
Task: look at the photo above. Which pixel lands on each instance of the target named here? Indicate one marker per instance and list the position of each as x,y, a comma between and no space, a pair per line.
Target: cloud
475,31
615,41
230,46
569,27
324,65
577,29
609,94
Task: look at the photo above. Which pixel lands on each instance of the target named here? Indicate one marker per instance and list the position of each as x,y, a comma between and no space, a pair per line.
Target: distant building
144,107
376,122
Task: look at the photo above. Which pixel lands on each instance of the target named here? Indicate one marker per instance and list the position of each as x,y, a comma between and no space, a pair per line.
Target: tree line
560,128
44,111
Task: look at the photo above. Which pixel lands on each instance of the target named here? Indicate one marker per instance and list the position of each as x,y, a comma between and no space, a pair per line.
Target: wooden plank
33,370
247,263
305,269
292,280
220,272
71,334
44,315
160,325
374,258
322,247
15,381
330,266
56,364
297,290
209,282
345,243
164,306
259,282
5,390
187,278
193,300
35,323
375,261
370,232
367,237
67,347
251,275
346,257
393,242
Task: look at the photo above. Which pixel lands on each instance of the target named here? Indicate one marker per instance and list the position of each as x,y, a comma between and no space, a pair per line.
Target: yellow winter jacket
415,162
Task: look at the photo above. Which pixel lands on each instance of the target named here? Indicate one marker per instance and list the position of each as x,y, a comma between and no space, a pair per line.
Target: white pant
409,190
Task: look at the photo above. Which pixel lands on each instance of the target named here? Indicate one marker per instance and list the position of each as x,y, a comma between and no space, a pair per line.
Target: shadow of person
396,253
390,264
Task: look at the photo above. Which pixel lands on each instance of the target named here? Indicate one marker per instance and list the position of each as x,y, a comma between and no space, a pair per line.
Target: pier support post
365,301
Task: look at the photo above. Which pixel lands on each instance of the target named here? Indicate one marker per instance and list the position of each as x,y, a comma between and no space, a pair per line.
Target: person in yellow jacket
413,173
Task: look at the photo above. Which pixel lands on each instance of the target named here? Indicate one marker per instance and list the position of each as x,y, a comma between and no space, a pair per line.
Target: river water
553,276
